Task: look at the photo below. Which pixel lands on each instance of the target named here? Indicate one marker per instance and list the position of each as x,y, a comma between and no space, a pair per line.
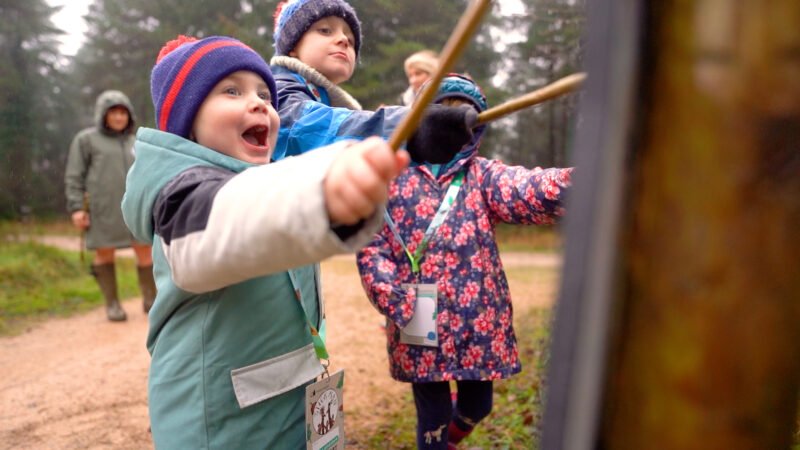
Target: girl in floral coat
449,233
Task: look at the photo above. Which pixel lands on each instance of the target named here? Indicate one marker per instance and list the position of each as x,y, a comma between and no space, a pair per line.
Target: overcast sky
70,19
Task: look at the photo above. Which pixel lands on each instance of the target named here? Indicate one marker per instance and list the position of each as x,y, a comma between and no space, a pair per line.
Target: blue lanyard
438,220
317,336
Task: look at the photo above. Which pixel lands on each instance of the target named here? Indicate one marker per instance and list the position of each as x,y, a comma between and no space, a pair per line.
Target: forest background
46,96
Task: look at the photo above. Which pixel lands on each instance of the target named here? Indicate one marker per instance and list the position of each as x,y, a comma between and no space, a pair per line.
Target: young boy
94,181
439,252
235,242
316,48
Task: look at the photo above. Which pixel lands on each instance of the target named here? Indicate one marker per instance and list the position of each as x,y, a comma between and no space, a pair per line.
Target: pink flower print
416,238
399,352
413,181
505,319
393,190
398,214
450,260
498,347
482,325
520,208
491,314
449,348
488,283
514,355
428,268
428,358
445,231
463,272
422,370
404,272
443,318
476,261
447,376
386,266
407,191
407,364
506,193
495,375
461,239
468,229
475,352
467,363
424,208
551,191
537,169
456,323
464,300
450,290
504,356
483,223
408,310
472,288
473,200
368,279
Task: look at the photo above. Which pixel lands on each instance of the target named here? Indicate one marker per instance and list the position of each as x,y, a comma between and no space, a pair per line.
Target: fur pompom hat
294,17
187,69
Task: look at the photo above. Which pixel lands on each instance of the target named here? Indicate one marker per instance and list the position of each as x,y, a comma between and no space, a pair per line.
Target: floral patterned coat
476,337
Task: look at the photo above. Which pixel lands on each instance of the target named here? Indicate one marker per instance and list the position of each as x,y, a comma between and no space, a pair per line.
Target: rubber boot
148,286
106,278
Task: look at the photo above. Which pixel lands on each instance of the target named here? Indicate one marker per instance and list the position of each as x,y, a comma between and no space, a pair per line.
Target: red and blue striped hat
187,69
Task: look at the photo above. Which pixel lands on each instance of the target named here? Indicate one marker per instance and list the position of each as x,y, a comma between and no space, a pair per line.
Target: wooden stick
552,90
452,50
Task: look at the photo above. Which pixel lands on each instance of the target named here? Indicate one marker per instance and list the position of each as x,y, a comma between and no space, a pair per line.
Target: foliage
516,417
37,281
552,49
32,109
46,98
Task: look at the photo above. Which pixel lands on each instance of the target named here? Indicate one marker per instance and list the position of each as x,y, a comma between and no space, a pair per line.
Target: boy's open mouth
256,135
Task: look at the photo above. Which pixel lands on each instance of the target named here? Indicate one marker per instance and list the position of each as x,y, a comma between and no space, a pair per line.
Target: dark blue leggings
435,409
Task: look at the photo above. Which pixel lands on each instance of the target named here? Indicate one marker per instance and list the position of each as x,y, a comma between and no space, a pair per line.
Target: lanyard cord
438,220
317,337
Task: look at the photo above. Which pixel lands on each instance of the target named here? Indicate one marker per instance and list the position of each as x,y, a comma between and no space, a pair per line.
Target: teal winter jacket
231,348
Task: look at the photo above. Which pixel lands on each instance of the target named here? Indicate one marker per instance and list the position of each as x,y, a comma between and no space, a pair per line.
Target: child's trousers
436,411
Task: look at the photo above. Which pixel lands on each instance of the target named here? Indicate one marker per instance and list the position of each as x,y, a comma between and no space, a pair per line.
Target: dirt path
81,382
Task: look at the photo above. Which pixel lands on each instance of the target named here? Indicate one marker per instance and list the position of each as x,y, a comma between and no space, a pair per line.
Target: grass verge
38,282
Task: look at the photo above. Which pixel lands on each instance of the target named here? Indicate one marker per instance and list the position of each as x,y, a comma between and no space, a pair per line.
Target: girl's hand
359,178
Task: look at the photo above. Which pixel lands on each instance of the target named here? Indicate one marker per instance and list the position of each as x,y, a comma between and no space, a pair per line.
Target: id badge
422,329
325,413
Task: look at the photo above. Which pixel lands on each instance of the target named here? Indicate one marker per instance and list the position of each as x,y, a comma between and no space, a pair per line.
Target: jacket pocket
266,379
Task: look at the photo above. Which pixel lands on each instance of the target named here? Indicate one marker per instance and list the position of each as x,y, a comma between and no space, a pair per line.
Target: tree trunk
708,352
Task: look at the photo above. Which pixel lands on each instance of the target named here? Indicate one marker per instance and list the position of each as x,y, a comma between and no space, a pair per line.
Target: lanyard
438,220
318,337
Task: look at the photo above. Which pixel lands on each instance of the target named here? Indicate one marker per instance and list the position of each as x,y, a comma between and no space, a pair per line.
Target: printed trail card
325,413
422,329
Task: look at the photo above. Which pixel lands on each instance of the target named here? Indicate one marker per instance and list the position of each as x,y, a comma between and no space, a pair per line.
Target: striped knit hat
294,17
187,69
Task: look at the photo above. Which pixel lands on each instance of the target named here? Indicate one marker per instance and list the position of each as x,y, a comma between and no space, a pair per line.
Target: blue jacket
314,112
231,348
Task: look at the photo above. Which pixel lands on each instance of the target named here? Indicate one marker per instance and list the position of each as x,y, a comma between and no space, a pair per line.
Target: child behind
235,242
419,68
316,48
457,260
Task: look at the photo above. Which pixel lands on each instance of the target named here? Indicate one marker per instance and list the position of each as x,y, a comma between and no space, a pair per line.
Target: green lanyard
317,336
438,220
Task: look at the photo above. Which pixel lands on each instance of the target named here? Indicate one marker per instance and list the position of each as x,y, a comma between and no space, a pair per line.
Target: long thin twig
552,90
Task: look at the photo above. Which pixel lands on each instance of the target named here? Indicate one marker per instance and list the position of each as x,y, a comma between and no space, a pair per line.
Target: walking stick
83,231
452,50
552,90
